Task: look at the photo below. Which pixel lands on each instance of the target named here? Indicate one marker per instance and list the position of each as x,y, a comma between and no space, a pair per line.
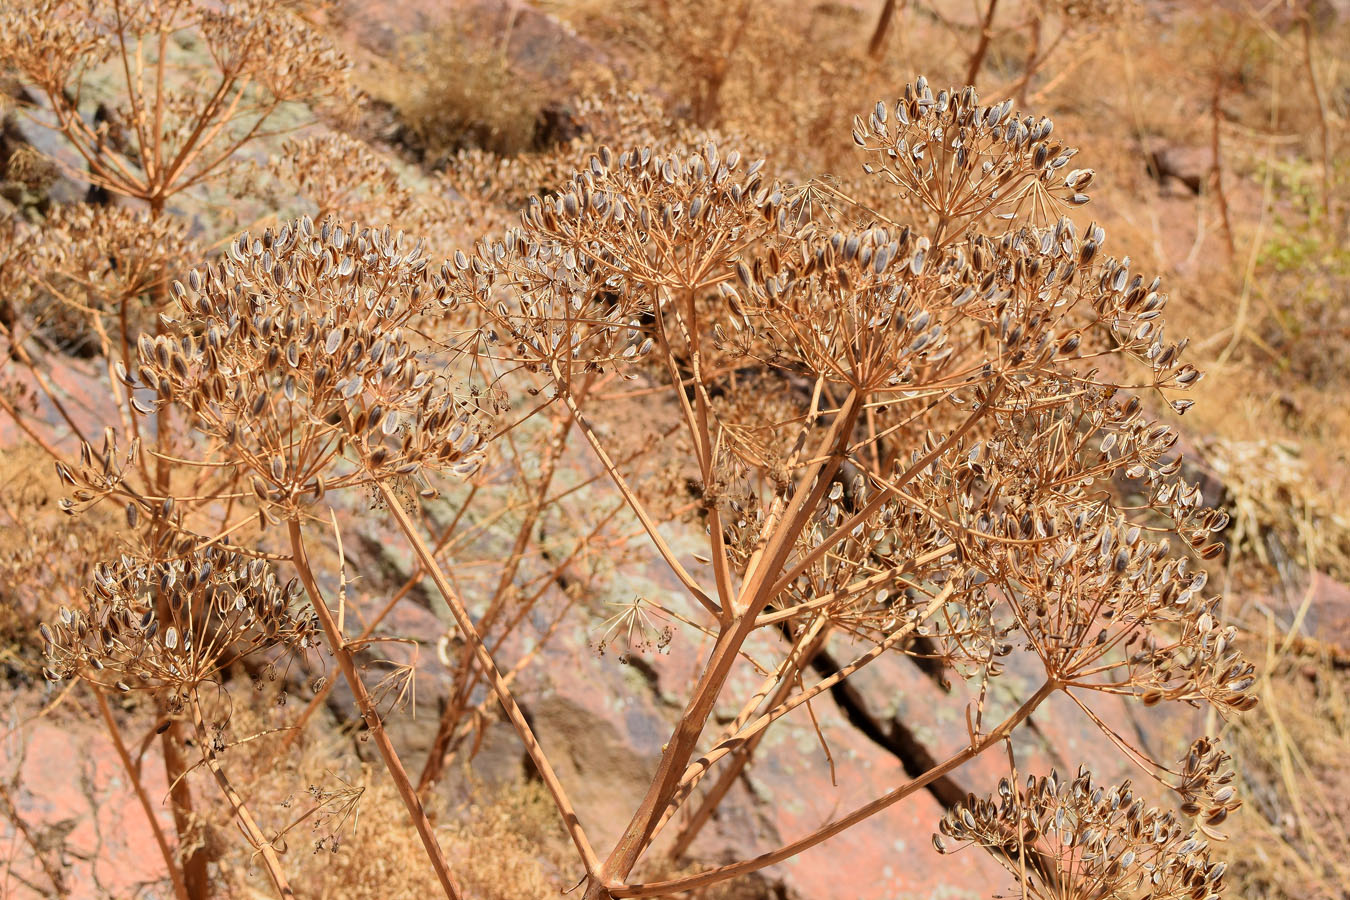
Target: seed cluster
296,351
1079,840
965,161
87,264
169,625
606,253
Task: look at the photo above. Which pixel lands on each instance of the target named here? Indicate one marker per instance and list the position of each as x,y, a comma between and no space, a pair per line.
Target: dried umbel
964,161
1205,782
1089,12
631,233
272,44
173,624
1083,841
99,474
341,175
88,275
1092,591
637,629
880,309
298,351
630,118
478,192
167,128
28,171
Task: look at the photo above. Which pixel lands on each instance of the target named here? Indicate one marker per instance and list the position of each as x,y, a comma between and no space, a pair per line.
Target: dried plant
293,350
961,376
164,128
303,363
167,128
340,175
1100,842
86,276
905,412
1279,513
453,92
222,608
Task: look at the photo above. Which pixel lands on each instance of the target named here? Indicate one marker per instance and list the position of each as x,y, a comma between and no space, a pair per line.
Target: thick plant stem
180,890
982,47
195,875
878,41
242,815
338,645
748,730
723,873
756,592
742,754
499,685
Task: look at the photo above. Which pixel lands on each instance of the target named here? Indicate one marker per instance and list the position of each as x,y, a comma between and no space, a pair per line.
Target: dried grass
1293,837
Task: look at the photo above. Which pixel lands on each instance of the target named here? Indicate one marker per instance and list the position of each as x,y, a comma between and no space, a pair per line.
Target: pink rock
74,794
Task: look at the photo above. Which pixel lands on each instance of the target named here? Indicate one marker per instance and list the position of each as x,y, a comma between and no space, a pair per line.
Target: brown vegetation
900,399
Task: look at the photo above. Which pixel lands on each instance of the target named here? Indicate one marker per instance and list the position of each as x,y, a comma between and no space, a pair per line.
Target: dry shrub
26,175
1302,273
346,831
342,830
1281,513
504,843
510,844
777,75
454,90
